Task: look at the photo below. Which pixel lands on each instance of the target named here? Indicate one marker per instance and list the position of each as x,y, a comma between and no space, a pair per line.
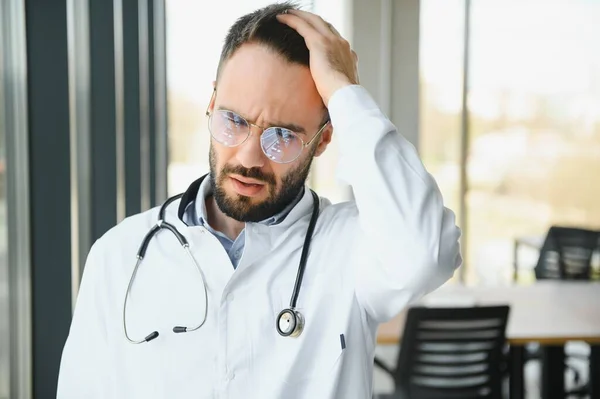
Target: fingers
312,27
316,21
300,25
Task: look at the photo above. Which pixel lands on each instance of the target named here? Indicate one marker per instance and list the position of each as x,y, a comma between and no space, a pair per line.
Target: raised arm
408,240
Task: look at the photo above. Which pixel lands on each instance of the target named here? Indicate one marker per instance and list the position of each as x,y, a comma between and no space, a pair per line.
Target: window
441,60
533,121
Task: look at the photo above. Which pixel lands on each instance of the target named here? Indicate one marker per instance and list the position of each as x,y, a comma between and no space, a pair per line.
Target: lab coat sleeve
84,363
407,241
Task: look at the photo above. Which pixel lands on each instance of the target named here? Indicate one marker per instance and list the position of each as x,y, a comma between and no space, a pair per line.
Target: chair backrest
567,254
452,353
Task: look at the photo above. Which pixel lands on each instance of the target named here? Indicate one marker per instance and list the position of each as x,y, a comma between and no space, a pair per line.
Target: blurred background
102,115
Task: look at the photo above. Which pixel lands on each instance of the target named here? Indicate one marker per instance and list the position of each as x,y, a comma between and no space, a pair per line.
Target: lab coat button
230,297
230,376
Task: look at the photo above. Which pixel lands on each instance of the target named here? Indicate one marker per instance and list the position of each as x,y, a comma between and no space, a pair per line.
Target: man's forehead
256,67
274,97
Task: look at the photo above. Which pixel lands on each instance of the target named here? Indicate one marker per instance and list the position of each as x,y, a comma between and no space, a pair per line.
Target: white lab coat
369,259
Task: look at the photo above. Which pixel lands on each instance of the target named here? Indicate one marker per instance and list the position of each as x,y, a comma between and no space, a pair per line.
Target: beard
240,207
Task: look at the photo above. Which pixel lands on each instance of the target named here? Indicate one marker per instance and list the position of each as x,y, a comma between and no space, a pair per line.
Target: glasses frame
262,130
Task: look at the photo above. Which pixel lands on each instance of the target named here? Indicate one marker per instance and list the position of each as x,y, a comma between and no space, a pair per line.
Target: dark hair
262,26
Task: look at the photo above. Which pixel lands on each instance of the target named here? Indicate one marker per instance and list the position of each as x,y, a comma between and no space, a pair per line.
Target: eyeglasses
279,144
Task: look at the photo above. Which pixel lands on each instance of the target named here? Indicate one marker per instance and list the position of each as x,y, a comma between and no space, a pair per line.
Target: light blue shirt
196,215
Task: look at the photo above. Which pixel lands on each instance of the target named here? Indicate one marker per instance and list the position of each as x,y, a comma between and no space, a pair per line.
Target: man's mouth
245,186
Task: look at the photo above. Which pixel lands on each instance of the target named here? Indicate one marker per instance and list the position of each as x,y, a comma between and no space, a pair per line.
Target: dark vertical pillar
103,117
159,89
124,127
48,93
152,105
131,86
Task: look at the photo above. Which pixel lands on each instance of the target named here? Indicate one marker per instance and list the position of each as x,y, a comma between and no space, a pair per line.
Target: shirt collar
206,189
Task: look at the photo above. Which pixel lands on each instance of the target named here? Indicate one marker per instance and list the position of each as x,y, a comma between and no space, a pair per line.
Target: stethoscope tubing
161,224
305,248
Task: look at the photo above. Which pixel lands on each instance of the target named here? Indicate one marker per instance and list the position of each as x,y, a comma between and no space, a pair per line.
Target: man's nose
250,154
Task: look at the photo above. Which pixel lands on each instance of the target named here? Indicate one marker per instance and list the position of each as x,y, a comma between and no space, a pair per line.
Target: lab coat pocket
317,351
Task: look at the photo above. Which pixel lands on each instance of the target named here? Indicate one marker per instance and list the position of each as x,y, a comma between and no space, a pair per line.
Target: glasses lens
281,145
228,128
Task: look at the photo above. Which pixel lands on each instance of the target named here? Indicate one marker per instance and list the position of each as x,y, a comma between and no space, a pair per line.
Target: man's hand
333,64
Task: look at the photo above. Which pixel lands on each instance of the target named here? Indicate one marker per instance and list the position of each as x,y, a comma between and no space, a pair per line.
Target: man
246,225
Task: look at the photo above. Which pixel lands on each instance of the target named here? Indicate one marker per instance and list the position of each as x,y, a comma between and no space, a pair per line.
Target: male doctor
285,83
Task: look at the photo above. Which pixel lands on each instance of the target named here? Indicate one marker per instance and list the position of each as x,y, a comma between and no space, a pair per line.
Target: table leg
595,372
553,372
516,377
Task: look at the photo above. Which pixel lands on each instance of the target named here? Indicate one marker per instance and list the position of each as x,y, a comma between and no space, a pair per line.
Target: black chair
450,353
567,254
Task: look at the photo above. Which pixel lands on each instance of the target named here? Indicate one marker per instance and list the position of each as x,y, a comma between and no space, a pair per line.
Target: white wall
385,34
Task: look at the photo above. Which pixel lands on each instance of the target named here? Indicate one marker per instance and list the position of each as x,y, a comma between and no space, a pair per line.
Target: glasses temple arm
212,97
318,133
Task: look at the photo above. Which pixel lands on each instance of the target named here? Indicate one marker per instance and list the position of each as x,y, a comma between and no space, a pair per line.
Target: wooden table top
549,312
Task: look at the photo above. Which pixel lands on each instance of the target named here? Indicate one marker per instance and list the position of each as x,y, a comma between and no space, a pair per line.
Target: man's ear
324,140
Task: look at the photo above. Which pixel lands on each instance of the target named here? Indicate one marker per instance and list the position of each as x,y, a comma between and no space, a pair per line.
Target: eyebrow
290,126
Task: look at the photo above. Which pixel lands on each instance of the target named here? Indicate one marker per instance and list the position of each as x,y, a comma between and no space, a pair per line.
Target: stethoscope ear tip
151,336
179,329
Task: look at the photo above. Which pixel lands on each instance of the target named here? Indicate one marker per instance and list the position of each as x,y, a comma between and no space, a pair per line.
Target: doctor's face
256,176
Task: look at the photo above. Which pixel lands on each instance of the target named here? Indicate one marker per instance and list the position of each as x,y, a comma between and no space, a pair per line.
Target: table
549,312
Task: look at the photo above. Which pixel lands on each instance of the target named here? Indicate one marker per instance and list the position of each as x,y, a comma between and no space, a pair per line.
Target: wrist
334,89
349,103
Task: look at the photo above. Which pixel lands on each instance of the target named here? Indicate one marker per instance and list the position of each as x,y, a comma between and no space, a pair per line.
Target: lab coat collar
189,196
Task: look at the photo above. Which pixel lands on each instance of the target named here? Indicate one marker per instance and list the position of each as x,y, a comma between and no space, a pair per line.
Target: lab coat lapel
296,223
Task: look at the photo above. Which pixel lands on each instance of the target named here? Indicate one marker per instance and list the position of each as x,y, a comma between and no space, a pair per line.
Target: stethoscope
289,322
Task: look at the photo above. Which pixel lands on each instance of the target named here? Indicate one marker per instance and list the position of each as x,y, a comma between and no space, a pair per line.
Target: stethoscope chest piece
290,323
